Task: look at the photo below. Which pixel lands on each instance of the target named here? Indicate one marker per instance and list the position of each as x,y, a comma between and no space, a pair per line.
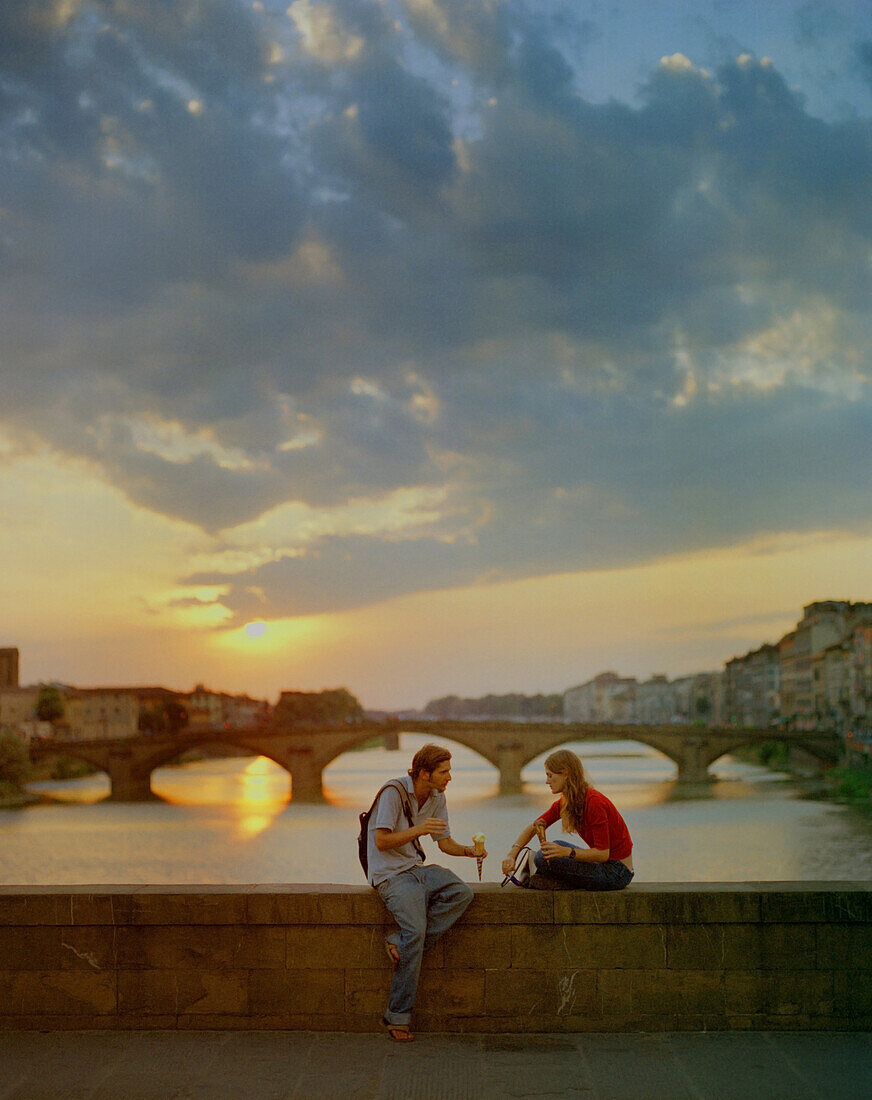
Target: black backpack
363,835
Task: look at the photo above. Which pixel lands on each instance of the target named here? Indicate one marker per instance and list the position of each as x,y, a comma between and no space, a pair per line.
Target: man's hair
428,759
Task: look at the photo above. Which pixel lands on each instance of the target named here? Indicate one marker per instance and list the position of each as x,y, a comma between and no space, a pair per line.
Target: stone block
34,905
162,947
478,947
204,991
799,994
368,908
147,992
522,994
366,992
615,992
80,993
313,992
852,995
845,947
168,992
92,908
787,946
452,992
588,946
180,906
88,947
825,902
695,947
745,992
493,904
742,946
303,904
30,947
327,947
676,992
659,903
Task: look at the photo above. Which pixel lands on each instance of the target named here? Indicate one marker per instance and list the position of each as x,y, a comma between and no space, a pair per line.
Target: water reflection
254,793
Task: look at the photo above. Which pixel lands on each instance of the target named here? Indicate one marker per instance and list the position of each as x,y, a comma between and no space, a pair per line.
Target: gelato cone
478,842
540,831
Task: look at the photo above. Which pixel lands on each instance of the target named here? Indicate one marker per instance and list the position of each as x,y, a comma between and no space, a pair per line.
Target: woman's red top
603,827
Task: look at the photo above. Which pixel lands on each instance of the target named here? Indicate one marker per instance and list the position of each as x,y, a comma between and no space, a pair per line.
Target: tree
14,759
49,704
317,707
167,717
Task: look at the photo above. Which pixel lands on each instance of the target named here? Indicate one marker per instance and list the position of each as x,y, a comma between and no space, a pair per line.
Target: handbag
520,873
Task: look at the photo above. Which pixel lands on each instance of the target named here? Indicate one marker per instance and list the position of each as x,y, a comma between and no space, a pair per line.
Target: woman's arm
525,837
583,855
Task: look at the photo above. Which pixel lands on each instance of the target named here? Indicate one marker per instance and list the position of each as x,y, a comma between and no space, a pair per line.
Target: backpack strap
406,803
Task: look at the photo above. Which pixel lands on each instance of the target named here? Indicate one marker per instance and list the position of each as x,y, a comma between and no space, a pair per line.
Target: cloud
255,259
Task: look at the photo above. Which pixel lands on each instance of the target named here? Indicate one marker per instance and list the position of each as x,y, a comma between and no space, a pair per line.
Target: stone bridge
509,746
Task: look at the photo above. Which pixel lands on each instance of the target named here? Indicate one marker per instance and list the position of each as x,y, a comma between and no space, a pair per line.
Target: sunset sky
459,345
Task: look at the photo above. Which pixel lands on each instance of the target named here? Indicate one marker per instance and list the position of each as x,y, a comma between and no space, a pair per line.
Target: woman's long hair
565,762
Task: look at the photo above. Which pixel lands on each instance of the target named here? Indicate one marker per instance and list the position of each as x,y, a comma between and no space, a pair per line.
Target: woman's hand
550,850
508,865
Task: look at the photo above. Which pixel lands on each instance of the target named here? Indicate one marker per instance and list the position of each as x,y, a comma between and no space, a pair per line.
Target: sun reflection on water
253,795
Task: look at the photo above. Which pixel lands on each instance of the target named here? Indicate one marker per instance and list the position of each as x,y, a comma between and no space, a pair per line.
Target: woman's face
555,780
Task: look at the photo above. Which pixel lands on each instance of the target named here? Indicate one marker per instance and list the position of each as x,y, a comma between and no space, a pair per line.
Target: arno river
230,821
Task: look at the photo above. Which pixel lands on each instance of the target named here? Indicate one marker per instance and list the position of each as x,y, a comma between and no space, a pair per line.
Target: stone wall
653,958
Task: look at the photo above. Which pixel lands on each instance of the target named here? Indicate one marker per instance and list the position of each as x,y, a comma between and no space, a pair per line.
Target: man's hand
431,827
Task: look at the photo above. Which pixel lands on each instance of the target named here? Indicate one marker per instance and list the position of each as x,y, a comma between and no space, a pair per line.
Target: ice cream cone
540,831
478,842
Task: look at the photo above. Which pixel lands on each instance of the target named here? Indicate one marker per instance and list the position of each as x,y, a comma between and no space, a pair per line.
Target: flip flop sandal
393,953
400,1033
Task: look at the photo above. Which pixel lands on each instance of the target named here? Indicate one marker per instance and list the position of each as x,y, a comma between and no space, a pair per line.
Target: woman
606,863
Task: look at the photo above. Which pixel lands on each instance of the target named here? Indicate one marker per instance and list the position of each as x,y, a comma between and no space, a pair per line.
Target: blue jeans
611,875
424,901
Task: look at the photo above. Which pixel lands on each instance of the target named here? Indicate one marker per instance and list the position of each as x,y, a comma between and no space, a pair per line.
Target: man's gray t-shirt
389,814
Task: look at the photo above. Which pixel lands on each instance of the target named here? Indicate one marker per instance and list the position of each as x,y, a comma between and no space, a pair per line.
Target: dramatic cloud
268,261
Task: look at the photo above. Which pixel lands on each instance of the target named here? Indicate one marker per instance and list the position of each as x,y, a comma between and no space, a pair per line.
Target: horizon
430,348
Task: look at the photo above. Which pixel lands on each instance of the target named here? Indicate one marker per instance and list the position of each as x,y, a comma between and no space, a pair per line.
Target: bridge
508,746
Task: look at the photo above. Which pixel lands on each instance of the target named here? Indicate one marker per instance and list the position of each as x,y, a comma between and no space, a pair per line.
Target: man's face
440,777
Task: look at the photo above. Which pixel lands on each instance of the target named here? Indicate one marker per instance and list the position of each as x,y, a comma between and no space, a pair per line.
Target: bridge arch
69,750
571,742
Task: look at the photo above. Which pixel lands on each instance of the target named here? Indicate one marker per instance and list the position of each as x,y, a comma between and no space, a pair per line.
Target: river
229,821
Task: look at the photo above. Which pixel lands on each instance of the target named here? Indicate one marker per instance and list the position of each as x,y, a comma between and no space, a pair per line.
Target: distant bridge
509,746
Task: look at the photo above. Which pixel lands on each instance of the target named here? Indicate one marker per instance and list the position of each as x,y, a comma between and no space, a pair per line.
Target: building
699,699
219,710
656,702
831,676
92,714
861,678
608,697
804,694
18,711
752,688
8,668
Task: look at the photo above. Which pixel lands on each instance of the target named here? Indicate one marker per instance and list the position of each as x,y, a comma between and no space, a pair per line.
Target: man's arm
386,839
450,847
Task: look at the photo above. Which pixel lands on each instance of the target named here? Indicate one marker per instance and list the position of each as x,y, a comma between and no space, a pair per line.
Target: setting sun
255,630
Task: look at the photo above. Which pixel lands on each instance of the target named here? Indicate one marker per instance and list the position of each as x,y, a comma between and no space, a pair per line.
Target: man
424,899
